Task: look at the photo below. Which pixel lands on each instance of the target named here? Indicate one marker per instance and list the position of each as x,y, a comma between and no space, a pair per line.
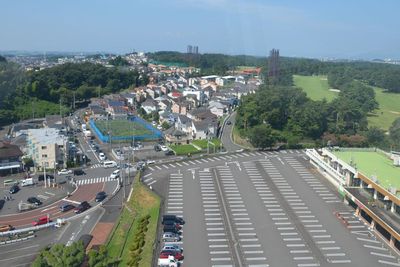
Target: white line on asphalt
389,263
377,248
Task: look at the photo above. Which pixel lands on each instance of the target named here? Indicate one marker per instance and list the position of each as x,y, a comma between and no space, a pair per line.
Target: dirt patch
394,112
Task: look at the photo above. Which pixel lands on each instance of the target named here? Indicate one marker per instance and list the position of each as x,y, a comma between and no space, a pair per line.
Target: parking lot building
368,181
47,147
10,158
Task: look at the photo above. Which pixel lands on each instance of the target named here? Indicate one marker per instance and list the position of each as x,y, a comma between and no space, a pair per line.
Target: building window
44,155
44,147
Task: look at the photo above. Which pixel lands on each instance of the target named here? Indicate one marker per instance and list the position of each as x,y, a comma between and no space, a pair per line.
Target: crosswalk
94,166
223,158
95,180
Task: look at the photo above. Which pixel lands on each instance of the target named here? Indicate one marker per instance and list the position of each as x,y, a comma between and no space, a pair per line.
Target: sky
355,29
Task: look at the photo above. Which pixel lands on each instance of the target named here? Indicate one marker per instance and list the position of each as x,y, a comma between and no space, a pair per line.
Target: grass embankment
203,143
240,140
184,149
142,203
317,88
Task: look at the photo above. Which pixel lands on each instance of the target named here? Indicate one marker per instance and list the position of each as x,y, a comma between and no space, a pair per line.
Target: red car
165,253
41,220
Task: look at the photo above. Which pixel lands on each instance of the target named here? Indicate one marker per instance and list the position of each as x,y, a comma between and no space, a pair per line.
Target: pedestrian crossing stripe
95,180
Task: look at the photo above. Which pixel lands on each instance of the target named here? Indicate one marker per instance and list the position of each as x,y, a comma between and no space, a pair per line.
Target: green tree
394,132
375,136
61,255
262,136
101,258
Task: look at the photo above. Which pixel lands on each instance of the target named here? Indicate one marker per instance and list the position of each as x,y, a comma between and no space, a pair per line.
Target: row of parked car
171,254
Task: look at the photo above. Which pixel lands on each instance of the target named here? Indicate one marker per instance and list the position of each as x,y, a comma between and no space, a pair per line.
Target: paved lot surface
263,209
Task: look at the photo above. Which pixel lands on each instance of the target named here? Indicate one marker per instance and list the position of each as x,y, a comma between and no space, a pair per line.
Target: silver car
173,247
170,237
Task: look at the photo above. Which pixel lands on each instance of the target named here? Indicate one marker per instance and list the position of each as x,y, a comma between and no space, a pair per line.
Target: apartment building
47,147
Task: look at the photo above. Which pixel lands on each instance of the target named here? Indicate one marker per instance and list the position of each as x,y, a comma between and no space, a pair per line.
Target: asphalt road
226,136
263,209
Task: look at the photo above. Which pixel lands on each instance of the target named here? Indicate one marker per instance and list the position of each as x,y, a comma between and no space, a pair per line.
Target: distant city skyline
336,29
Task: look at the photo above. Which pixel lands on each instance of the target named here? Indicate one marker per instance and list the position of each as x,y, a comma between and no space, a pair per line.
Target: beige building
47,148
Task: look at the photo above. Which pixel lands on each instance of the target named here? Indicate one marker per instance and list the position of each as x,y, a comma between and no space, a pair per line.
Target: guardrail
28,229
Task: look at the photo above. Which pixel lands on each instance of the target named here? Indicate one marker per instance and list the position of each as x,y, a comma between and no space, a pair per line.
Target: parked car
102,156
78,172
66,207
64,172
170,237
14,189
157,147
41,220
2,202
171,229
171,217
150,161
164,148
115,174
34,200
100,196
82,207
172,223
228,122
175,247
165,254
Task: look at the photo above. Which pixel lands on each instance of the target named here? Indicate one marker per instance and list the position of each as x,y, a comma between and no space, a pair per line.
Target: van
109,164
6,228
27,182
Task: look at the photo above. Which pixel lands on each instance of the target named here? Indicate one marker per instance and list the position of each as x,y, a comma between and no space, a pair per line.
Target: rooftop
371,164
46,136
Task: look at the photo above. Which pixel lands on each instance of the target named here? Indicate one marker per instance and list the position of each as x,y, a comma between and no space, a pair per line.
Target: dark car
78,172
66,207
100,196
171,229
169,153
82,207
228,122
2,201
14,189
49,176
34,200
172,223
171,217
157,147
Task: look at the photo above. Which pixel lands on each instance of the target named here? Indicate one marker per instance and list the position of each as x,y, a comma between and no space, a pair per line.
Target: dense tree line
37,93
290,116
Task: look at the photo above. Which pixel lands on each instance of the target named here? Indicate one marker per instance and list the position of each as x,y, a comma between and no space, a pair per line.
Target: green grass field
372,163
121,127
389,109
184,149
203,143
142,203
316,87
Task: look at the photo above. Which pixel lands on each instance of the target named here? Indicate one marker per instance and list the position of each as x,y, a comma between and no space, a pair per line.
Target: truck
170,262
87,133
26,206
27,182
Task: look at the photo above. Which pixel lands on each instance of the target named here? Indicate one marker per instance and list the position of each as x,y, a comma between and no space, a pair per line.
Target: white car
150,161
173,247
102,156
115,174
64,172
164,148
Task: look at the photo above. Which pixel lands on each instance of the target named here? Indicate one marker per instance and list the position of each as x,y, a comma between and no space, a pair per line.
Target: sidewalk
100,234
